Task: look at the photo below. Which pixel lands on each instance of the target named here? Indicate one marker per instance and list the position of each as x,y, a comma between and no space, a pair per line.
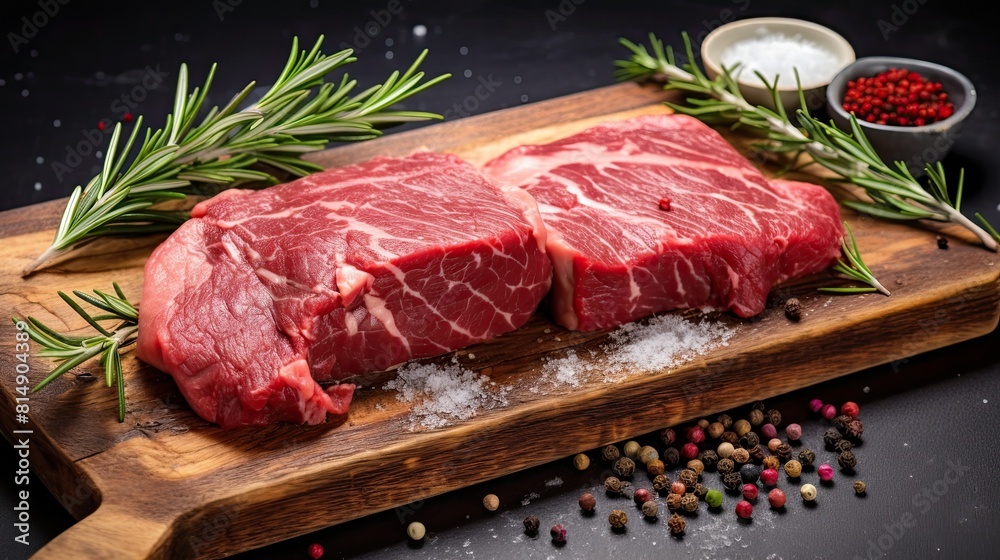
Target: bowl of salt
777,48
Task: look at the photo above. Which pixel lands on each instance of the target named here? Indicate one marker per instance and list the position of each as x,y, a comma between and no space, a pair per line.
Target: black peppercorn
709,458
847,460
725,466
671,456
758,405
614,486
843,445
756,454
688,477
773,417
831,437
700,490
784,452
756,417
729,437
726,421
793,309
673,502
661,483
750,440
749,474
676,524
610,453
732,481
860,487
807,457
942,242
841,421
854,430
689,502
668,436
624,467
531,525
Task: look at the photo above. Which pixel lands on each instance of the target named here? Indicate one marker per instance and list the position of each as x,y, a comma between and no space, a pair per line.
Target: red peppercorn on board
166,484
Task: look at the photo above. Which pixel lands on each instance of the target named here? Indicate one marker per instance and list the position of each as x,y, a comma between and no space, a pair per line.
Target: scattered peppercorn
713,498
725,450
831,437
854,430
725,466
776,497
808,492
655,467
558,533
784,452
703,423
661,482
744,509
807,457
741,427
671,456
756,417
847,460
587,501
756,454
773,416
613,485
531,524
749,473
673,501
715,430
678,487
696,465
841,421
843,445
676,524
768,431
815,405
942,242
750,440
750,491
825,472
641,496
758,405
732,481
793,469
860,487
631,449
416,530
794,432
668,436
689,451
726,421
491,502
772,444
828,411
624,467
709,459
610,453
649,509
740,456
772,462
316,551
581,461
689,502
700,490
897,97
618,519
696,434
793,309
689,477
729,437
769,477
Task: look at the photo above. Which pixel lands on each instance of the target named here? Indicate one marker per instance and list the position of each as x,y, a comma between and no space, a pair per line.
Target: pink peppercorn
558,533
315,551
696,435
769,477
815,405
850,408
794,432
750,491
678,487
776,497
828,411
689,451
825,472
641,496
744,509
768,431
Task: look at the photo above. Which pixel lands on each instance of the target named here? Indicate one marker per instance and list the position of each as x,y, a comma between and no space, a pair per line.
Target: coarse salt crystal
777,54
445,393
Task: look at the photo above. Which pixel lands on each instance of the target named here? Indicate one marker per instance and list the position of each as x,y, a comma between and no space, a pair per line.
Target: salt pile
444,394
780,55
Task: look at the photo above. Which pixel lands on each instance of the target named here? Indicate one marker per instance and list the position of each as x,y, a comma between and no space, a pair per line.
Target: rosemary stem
959,218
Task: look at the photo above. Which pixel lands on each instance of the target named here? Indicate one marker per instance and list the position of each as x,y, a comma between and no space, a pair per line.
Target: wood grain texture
166,484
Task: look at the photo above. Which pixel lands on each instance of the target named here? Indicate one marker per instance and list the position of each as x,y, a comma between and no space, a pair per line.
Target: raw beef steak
659,212
351,270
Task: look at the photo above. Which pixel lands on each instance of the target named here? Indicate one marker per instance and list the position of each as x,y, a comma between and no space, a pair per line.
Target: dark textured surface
928,411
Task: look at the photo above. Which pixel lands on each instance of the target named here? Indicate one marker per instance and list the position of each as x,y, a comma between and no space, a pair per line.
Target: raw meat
351,270
659,212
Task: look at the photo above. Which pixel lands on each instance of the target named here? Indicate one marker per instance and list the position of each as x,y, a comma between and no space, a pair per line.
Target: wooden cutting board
165,484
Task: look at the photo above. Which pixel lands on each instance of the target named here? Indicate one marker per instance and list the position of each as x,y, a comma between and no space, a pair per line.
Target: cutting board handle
109,533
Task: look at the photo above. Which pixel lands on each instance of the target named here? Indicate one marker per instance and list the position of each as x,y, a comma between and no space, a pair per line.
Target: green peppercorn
614,486
671,456
624,467
726,421
673,501
740,456
741,427
725,466
618,519
756,417
771,462
713,498
784,452
655,467
807,457
647,453
831,437
610,453
631,449
689,502
773,417
676,524
847,460
709,458
750,440
732,481
860,487
661,483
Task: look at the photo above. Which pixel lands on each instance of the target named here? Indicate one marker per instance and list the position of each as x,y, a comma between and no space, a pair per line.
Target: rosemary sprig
71,351
892,191
854,268
229,147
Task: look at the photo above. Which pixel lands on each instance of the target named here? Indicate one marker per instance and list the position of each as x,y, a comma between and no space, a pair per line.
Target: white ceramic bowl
823,49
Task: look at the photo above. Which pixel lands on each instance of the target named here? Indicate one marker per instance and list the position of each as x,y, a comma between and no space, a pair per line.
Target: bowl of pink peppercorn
909,110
